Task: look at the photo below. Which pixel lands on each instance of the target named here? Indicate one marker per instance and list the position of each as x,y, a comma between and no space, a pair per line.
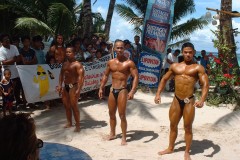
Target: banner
157,25
39,81
149,66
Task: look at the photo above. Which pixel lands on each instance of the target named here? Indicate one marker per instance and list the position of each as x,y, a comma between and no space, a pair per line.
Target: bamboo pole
225,12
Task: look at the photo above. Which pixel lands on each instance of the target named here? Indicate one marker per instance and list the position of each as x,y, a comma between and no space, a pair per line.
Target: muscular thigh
72,96
112,104
175,112
122,101
65,96
189,113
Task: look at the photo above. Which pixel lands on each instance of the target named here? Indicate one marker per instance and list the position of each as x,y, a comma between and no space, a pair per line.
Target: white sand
216,131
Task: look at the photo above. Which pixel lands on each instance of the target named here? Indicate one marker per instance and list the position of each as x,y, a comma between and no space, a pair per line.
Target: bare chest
120,67
69,69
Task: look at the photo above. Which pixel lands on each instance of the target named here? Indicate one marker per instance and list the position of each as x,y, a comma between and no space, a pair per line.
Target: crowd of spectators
26,50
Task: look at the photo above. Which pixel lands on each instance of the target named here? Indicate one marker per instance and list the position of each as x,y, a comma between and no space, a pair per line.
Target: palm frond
188,27
178,43
182,8
60,18
32,24
125,12
139,6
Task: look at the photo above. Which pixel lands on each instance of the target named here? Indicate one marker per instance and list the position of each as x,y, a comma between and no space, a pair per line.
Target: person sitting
18,138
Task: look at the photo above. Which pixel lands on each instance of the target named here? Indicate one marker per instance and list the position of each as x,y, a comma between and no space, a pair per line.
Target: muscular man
58,50
72,75
120,67
186,74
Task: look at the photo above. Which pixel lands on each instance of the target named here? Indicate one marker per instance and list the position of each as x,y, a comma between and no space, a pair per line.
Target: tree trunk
87,18
109,18
226,31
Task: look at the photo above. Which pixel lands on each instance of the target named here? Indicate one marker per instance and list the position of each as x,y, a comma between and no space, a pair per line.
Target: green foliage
133,11
223,75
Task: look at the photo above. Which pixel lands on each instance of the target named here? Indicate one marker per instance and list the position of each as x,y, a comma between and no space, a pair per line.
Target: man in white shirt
172,58
9,55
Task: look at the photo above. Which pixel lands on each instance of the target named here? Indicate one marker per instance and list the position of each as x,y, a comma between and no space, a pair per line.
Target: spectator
18,138
37,47
78,51
57,49
204,60
103,47
165,63
9,55
16,41
128,49
88,54
28,55
137,49
7,92
98,55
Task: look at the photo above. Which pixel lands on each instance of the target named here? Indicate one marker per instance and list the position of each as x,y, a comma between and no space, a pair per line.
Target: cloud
120,29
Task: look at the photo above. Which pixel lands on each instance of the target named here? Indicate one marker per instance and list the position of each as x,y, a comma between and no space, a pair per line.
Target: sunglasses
38,73
39,143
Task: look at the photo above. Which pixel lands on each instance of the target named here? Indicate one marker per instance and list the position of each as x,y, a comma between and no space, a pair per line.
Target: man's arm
203,78
104,80
81,73
59,87
134,73
163,82
10,61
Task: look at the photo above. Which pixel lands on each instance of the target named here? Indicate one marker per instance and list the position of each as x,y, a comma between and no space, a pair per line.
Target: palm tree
226,36
42,16
87,18
109,18
134,13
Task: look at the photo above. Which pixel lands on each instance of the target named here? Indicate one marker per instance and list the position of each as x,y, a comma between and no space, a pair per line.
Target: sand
216,131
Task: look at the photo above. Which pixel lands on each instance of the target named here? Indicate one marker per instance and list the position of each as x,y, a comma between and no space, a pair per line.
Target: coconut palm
87,23
109,18
42,16
134,13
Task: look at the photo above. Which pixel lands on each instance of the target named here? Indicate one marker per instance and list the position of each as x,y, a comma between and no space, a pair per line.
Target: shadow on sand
136,135
51,122
199,147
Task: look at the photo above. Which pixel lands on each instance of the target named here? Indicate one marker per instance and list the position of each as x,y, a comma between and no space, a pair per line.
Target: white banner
39,81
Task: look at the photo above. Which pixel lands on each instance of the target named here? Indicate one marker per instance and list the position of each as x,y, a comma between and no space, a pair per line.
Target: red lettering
148,78
151,61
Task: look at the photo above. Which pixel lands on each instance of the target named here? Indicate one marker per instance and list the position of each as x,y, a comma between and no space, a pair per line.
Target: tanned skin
72,72
120,68
58,50
186,74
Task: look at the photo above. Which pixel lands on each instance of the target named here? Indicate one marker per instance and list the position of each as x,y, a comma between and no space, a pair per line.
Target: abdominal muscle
119,80
184,86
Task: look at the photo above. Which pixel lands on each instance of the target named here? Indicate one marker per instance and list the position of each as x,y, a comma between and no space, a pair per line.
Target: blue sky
202,39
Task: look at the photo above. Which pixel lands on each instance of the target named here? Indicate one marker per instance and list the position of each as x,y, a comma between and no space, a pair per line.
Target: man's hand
100,93
157,99
198,104
130,95
59,90
77,94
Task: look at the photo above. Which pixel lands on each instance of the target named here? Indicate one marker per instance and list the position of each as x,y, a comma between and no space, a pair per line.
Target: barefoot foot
77,129
187,156
110,137
124,142
166,151
67,126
